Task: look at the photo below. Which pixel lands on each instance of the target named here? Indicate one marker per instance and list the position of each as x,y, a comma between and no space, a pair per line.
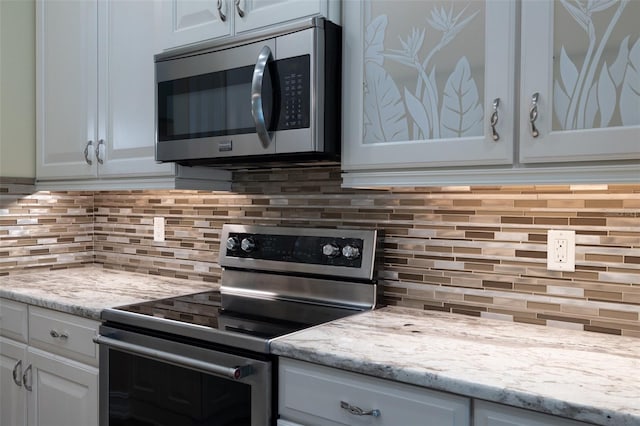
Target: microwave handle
256,95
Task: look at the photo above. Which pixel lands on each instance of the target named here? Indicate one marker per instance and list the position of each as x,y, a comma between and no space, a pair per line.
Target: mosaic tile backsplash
471,250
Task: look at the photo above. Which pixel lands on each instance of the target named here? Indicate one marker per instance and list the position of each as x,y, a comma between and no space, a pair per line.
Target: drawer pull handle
16,374
357,411
57,335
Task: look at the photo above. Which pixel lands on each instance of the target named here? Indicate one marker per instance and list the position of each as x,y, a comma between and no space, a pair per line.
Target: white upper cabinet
66,89
95,90
190,21
126,84
263,13
421,80
430,87
583,60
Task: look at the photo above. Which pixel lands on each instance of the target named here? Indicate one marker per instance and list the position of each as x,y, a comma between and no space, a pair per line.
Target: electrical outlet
561,250
158,229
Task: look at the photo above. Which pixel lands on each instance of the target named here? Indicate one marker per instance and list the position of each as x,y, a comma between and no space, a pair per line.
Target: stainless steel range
203,359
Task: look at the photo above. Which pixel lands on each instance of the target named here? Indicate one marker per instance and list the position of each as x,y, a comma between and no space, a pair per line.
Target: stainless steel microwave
270,96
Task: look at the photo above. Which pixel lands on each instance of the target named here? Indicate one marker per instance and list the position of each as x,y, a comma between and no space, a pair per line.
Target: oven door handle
235,373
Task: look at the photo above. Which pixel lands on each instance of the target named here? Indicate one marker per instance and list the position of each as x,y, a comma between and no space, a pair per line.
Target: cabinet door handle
86,153
59,335
17,375
223,17
357,411
240,11
27,373
494,120
533,114
99,151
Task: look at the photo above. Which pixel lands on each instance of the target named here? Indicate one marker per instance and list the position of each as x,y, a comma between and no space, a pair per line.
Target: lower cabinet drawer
64,334
492,414
314,395
13,320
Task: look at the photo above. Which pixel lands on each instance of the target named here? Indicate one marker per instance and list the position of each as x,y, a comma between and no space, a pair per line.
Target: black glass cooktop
203,309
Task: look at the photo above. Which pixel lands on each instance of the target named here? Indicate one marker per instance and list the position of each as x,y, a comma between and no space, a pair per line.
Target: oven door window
146,392
213,104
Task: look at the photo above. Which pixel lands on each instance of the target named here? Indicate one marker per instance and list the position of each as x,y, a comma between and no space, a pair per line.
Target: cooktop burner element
275,281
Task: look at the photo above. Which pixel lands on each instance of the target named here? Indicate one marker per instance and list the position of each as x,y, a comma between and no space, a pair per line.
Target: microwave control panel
295,92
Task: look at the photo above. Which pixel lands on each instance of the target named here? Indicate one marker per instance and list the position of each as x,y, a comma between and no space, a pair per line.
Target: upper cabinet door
583,60
423,82
126,108
252,14
189,21
67,88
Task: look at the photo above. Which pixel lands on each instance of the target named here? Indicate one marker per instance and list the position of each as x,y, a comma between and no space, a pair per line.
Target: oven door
148,380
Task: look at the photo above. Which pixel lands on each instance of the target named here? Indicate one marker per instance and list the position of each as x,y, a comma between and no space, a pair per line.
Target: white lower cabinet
314,395
49,376
491,414
63,392
13,403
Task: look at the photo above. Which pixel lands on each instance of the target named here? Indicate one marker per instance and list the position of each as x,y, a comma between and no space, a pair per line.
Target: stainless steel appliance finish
273,96
275,280
146,352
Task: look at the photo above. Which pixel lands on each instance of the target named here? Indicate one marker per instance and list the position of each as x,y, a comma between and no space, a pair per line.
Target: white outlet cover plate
570,238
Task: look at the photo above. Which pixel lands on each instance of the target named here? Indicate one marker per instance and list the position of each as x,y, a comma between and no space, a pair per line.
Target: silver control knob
232,244
351,252
331,250
248,245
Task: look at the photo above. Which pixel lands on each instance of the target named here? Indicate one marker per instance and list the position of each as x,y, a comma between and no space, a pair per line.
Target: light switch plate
561,250
158,229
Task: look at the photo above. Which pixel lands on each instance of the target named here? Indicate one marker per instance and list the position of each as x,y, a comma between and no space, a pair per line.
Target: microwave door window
214,104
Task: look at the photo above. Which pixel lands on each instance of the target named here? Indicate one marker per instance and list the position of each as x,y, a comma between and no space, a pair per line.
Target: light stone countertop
86,291
585,376
581,375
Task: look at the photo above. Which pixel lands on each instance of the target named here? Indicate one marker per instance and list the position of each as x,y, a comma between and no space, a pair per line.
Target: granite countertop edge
69,308
434,381
379,360
86,291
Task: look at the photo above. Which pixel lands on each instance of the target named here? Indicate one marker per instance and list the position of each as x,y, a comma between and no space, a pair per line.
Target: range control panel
303,250
298,249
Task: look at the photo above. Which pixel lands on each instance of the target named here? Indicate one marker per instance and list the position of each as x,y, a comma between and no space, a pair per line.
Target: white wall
17,88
